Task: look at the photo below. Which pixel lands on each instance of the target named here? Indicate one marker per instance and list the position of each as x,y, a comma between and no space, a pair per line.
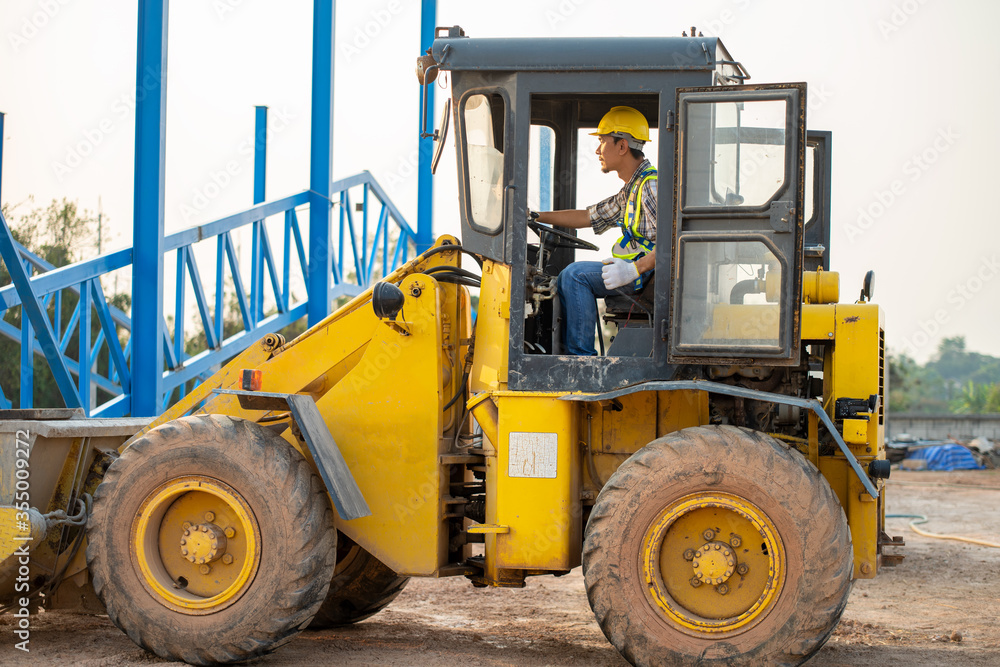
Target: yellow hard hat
622,121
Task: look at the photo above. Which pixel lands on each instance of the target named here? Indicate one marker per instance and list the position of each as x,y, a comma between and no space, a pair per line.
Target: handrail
47,286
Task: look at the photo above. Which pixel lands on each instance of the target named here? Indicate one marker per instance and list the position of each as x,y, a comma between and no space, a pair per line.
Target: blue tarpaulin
945,457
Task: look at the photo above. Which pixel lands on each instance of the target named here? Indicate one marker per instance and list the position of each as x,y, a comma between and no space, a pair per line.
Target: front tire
211,541
717,545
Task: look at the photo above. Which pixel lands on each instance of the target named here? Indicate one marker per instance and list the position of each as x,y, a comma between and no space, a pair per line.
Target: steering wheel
566,240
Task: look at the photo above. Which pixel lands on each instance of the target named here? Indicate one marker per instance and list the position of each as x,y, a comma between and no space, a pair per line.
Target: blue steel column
147,225
321,161
425,184
260,154
259,187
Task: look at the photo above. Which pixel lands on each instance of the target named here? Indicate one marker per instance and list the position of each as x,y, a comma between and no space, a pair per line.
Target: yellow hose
920,518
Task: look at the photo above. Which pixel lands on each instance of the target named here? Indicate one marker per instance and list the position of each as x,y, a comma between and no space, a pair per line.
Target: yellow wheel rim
196,544
714,564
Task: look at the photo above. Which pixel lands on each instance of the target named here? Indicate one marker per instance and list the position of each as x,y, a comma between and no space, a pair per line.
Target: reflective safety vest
633,245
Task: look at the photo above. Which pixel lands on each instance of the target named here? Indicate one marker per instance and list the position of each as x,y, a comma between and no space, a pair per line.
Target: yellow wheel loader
718,470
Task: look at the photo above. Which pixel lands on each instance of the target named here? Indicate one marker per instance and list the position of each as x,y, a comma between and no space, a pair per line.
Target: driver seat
636,309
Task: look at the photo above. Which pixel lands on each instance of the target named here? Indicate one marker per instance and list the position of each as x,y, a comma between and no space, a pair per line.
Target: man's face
608,153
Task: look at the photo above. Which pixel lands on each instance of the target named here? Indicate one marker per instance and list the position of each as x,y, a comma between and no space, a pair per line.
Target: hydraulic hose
920,518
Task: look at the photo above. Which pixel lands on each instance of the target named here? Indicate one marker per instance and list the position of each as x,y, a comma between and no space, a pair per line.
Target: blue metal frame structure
146,373
284,266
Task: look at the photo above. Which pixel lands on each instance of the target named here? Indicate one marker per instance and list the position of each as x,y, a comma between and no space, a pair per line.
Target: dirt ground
941,606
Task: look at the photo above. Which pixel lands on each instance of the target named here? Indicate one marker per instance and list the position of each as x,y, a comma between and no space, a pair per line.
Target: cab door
738,225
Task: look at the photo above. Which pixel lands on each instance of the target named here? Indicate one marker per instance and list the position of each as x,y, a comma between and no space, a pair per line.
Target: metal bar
346,208
241,297
286,256
220,266
116,356
371,260
70,326
321,160
207,323
179,305
95,347
13,333
34,317
57,313
338,272
383,215
27,363
147,226
299,248
231,222
256,298
83,349
168,349
425,183
393,211
742,392
69,277
116,407
364,233
259,154
268,261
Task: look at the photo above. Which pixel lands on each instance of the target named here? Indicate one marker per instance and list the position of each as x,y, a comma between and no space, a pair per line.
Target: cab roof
456,52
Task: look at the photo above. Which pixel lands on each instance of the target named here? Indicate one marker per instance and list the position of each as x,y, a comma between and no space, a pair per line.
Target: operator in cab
621,134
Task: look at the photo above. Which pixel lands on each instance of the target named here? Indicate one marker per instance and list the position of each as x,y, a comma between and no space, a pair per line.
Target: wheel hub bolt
743,568
688,554
205,569
230,532
209,516
203,543
695,582
735,540
722,589
228,559
709,535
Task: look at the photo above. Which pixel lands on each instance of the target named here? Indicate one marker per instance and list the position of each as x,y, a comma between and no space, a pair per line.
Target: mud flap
330,463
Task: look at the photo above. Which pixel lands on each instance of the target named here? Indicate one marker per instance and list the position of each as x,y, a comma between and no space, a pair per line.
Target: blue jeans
579,285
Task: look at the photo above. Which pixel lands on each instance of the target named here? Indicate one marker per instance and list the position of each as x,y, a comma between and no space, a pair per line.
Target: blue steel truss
371,239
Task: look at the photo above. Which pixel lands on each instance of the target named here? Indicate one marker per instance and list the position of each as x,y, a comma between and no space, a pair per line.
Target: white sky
900,83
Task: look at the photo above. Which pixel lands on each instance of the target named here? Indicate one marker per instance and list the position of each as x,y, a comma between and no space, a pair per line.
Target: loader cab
524,109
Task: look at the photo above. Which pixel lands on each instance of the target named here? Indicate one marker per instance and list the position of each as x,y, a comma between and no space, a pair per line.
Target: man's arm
575,219
646,263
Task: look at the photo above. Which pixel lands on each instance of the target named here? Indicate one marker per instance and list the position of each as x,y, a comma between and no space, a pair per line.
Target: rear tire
717,545
211,541
362,586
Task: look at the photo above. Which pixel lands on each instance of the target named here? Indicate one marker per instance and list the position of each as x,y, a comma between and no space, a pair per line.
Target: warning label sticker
533,455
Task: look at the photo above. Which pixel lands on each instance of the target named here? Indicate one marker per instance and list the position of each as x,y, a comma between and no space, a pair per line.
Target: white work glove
618,272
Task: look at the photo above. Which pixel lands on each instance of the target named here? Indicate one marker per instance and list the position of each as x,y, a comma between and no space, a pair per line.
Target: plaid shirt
611,212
